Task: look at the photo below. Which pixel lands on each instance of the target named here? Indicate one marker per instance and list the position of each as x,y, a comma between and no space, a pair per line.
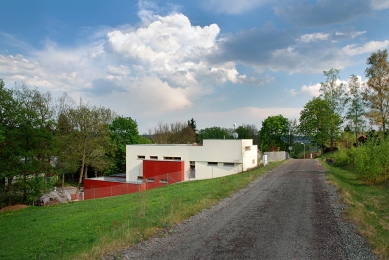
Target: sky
218,61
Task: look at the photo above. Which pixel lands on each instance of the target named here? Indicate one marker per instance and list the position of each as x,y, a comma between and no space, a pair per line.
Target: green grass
368,205
92,228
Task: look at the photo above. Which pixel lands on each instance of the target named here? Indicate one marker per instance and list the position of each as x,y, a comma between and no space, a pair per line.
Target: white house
215,158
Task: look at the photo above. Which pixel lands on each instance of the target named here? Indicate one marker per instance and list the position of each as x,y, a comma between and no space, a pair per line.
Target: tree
175,133
215,132
192,124
123,131
318,121
377,92
356,110
273,133
247,131
333,92
91,133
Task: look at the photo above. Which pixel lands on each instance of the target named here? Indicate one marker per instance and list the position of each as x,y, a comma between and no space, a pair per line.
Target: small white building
215,158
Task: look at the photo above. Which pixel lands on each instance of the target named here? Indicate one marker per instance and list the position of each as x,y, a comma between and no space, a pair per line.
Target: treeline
42,137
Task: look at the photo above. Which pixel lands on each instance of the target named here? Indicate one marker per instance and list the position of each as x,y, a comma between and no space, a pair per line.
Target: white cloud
354,49
379,4
314,37
232,6
310,90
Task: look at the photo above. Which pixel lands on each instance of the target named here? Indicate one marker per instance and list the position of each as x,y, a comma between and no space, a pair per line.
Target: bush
344,156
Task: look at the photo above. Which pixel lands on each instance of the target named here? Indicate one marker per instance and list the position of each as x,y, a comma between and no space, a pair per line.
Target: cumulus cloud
306,90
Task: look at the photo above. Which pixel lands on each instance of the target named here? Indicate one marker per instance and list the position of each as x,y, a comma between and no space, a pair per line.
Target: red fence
99,188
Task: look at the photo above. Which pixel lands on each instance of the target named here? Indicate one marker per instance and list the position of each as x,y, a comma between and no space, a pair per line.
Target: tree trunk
82,168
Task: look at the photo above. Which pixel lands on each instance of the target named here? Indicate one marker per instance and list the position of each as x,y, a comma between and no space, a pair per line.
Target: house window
172,158
163,181
226,164
212,163
154,157
140,178
141,157
150,179
247,148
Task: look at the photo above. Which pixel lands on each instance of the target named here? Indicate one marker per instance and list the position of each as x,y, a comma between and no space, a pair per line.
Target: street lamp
304,148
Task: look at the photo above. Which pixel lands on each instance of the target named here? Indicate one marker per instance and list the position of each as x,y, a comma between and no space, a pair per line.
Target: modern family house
150,166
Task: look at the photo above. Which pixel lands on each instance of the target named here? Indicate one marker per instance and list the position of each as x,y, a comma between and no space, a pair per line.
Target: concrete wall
276,156
215,158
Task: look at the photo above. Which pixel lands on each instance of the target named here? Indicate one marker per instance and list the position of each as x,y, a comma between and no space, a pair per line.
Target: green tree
377,92
124,131
274,133
319,122
215,132
356,110
91,132
192,124
334,92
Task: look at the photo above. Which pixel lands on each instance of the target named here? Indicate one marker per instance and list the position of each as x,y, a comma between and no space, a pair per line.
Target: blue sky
219,62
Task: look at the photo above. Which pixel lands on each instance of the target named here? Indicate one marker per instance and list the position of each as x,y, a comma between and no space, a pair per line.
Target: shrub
344,156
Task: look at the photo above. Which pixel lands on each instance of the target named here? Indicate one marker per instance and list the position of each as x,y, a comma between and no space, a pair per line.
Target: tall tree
377,92
192,124
123,131
334,92
356,110
92,135
274,133
318,121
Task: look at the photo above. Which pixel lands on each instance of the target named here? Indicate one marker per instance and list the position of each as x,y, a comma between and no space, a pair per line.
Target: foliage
97,227
247,131
214,133
27,127
319,122
334,92
377,92
356,110
371,160
344,156
367,206
274,133
123,131
175,133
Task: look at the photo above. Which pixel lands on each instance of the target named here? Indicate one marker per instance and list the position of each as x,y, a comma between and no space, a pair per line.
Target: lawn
368,205
92,228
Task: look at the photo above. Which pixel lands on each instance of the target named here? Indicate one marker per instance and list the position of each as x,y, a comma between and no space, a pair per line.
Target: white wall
219,151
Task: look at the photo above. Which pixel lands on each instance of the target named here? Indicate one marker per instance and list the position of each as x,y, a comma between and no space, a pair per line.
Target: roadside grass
93,228
368,205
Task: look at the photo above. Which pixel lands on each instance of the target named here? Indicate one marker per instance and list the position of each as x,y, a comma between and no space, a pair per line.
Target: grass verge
368,205
90,229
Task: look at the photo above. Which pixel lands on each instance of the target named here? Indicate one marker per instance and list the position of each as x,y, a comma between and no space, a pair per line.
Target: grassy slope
368,206
92,228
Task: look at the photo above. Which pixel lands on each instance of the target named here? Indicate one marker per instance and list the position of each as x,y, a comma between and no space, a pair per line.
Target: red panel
94,189
157,168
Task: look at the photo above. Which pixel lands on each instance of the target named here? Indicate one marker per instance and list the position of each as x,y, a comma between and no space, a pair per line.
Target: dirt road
290,213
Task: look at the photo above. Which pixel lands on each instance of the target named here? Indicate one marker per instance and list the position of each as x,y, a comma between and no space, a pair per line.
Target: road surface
289,213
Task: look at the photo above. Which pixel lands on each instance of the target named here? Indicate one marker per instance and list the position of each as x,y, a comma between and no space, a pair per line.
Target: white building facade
215,158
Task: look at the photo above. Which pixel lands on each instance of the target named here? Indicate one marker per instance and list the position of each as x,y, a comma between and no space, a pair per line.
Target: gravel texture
289,213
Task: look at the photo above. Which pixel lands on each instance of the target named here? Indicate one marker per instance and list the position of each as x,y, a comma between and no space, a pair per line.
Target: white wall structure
215,158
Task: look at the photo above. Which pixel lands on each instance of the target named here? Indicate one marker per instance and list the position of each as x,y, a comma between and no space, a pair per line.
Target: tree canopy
274,133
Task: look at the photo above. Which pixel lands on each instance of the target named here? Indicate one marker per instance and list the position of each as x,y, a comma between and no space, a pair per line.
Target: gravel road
289,213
